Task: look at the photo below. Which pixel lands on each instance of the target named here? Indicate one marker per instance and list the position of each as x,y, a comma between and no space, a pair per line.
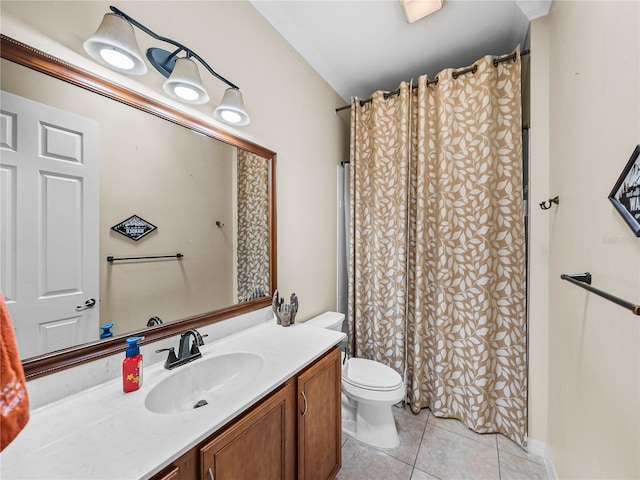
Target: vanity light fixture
417,9
231,109
114,45
184,83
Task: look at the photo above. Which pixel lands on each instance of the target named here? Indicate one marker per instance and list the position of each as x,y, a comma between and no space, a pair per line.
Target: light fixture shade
185,84
417,9
114,45
231,110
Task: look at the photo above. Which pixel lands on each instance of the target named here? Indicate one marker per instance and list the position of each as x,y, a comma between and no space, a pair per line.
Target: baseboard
539,448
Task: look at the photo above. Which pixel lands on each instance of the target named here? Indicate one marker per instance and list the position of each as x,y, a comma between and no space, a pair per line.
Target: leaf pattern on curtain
465,262
253,224
379,181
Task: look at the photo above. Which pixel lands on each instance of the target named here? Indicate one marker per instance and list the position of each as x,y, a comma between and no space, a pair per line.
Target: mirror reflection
99,163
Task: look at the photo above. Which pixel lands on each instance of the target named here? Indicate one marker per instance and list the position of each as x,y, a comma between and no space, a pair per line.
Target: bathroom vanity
275,419
300,420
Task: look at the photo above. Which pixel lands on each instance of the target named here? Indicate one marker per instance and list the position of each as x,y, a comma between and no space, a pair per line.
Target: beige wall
538,301
292,111
589,56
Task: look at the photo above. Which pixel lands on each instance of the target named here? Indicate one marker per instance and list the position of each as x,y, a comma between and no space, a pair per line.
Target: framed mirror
209,194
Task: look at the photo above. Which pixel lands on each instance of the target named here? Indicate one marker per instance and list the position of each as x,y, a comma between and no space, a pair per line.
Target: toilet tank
329,320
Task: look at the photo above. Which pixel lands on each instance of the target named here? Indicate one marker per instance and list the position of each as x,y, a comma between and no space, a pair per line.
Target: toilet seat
371,375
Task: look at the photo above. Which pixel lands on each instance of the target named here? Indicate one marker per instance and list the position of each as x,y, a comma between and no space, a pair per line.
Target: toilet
369,389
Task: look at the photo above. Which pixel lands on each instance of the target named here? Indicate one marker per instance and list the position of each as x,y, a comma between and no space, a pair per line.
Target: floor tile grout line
515,455
499,468
415,459
422,471
380,450
420,446
464,436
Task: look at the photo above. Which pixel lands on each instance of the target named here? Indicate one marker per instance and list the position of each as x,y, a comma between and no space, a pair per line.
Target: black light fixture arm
189,52
176,52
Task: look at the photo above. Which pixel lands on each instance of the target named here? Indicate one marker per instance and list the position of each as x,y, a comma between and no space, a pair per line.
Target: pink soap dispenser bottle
132,366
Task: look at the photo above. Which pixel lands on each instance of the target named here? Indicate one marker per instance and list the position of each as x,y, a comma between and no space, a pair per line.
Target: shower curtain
378,240
437,266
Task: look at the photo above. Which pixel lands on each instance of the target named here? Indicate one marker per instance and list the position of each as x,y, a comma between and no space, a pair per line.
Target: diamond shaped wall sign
134,227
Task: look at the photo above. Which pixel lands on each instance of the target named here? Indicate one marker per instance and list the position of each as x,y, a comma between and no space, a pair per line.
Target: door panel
319,420
49,214
61,266
59,333
8,232
60,143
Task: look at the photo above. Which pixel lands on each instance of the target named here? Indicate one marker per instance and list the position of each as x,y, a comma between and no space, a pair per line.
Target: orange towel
14,403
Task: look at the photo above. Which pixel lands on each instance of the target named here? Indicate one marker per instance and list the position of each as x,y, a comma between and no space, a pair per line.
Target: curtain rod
455,75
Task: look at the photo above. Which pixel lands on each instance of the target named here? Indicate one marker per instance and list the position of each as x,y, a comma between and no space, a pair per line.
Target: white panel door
49,167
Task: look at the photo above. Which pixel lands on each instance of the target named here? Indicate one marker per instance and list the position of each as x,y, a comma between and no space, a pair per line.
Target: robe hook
547,205
219,223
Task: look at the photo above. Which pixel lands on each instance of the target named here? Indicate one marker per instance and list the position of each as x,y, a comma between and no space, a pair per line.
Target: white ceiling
359,47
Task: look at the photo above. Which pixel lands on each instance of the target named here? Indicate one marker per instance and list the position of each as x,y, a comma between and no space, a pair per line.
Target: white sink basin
209,380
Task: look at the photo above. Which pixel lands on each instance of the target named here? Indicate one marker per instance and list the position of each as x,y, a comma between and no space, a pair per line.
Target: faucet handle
171,358
198,342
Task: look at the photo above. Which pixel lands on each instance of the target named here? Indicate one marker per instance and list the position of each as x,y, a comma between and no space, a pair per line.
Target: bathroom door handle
88,304
304,397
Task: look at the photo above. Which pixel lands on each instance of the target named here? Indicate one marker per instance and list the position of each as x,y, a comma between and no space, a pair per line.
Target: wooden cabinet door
259,446
184,468
169,473
319,419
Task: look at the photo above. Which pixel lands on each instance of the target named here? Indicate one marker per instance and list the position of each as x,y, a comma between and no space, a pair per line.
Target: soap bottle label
132,374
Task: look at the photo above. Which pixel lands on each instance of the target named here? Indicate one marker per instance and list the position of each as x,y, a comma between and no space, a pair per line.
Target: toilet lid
371,375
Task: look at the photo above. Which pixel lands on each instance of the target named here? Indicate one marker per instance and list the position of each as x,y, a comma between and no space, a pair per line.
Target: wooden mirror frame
52,362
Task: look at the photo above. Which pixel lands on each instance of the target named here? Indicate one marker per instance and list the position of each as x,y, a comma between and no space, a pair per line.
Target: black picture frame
625,195
134,227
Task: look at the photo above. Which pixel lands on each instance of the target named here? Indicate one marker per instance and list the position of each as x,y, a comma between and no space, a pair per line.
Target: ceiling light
417,9
114,45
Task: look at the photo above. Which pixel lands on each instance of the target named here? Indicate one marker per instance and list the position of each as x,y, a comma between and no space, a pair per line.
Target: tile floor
434,448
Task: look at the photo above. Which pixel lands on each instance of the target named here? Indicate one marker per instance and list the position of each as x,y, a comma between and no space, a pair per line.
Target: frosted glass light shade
231,110
185,84
417,9
114,45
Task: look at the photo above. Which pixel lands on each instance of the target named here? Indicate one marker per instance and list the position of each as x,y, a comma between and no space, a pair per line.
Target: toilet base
370,424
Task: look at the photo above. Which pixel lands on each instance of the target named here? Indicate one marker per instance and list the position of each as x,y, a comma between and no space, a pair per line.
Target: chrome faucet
187,351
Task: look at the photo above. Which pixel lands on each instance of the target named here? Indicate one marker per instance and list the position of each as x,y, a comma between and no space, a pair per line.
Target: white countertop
103,433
